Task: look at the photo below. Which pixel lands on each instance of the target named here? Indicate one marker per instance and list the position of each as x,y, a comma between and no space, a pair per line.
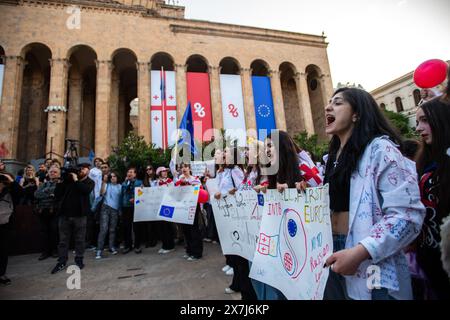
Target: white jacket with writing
385,216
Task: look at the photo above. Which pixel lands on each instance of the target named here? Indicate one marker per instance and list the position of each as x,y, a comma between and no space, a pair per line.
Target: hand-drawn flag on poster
166,211
163,108
264,111
198,94
233,107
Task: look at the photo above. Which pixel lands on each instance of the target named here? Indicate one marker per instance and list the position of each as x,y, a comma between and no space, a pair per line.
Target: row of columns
57,110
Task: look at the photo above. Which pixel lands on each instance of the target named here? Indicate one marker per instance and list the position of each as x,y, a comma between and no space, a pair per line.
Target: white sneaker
160,250
167,251
191,258
185,256
226,268
229,291
230,272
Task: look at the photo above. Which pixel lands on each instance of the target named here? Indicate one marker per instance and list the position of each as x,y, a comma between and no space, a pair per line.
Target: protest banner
178,204
147,202
237,219
294,242
198,168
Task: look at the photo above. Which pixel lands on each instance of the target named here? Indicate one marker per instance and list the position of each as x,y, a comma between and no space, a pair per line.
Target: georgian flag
163,108
308,170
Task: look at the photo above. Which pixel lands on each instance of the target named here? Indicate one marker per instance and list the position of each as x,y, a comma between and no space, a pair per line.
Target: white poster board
294,241
198,168
237,219
147,202
179,204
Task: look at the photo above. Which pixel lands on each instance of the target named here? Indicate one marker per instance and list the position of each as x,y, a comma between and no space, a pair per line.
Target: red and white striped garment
308,170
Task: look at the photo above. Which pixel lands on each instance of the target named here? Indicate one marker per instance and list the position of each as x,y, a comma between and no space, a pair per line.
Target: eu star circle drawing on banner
263,110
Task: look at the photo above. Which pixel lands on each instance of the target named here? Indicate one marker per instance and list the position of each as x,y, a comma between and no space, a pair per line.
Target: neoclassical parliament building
94,70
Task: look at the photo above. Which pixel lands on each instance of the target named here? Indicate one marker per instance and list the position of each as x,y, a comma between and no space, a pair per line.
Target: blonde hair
30,167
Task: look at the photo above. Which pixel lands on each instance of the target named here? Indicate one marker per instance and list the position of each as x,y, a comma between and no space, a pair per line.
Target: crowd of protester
404,185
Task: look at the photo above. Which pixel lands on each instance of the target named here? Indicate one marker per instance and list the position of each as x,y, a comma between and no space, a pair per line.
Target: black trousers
127,226
193,237
4,231
139,232
49,231
69,226
241,281
211,229
167,234
152,230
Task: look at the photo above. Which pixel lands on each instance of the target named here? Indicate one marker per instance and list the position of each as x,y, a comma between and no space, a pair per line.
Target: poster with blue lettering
178,204
264,112
294,242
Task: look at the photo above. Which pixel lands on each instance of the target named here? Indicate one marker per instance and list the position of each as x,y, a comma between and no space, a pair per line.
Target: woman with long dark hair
433,125
374,200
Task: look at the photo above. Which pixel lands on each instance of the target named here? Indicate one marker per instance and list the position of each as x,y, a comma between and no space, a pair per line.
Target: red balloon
203,196
430,73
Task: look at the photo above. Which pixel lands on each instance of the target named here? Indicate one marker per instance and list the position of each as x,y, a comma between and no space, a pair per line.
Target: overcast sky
371,42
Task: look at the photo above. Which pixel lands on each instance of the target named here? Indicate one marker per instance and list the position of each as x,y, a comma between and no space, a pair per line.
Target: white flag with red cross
163,108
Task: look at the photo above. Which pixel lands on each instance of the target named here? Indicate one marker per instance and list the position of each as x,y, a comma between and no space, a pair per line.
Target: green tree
134,151
400,122
311,144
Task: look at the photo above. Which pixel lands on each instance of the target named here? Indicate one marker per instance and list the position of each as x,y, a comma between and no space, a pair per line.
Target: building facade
401,95
71,68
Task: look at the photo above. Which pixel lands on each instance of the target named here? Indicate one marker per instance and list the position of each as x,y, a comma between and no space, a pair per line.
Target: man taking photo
73,193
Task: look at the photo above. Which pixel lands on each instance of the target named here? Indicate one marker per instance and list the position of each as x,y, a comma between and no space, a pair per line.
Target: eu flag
166,211
264,111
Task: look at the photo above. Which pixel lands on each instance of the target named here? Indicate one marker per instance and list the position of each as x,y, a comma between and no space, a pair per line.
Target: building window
399,104
383,106
416,94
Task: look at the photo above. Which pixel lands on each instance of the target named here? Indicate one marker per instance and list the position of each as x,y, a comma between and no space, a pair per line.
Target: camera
70,161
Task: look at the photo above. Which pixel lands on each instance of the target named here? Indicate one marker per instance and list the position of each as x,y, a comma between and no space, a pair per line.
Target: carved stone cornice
251,34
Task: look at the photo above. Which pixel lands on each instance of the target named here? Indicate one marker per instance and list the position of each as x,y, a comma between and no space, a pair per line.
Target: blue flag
264,112
91,155
187,124
166,211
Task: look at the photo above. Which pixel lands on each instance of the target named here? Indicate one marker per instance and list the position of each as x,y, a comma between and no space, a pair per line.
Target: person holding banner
150,228
230,181
128,212
166,228
282,153
192,233
374,200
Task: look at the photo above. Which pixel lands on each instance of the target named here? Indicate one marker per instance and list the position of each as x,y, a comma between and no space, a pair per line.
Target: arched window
399,104
383,106
416,94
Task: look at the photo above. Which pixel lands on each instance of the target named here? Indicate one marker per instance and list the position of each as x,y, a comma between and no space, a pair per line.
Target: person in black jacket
10,192
73,194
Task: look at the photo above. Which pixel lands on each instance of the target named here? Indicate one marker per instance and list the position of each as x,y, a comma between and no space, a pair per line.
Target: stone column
180,69
56,125
144,100
303,98
277,97
249,103
114,109
10,106
74,106
102,112
216,98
